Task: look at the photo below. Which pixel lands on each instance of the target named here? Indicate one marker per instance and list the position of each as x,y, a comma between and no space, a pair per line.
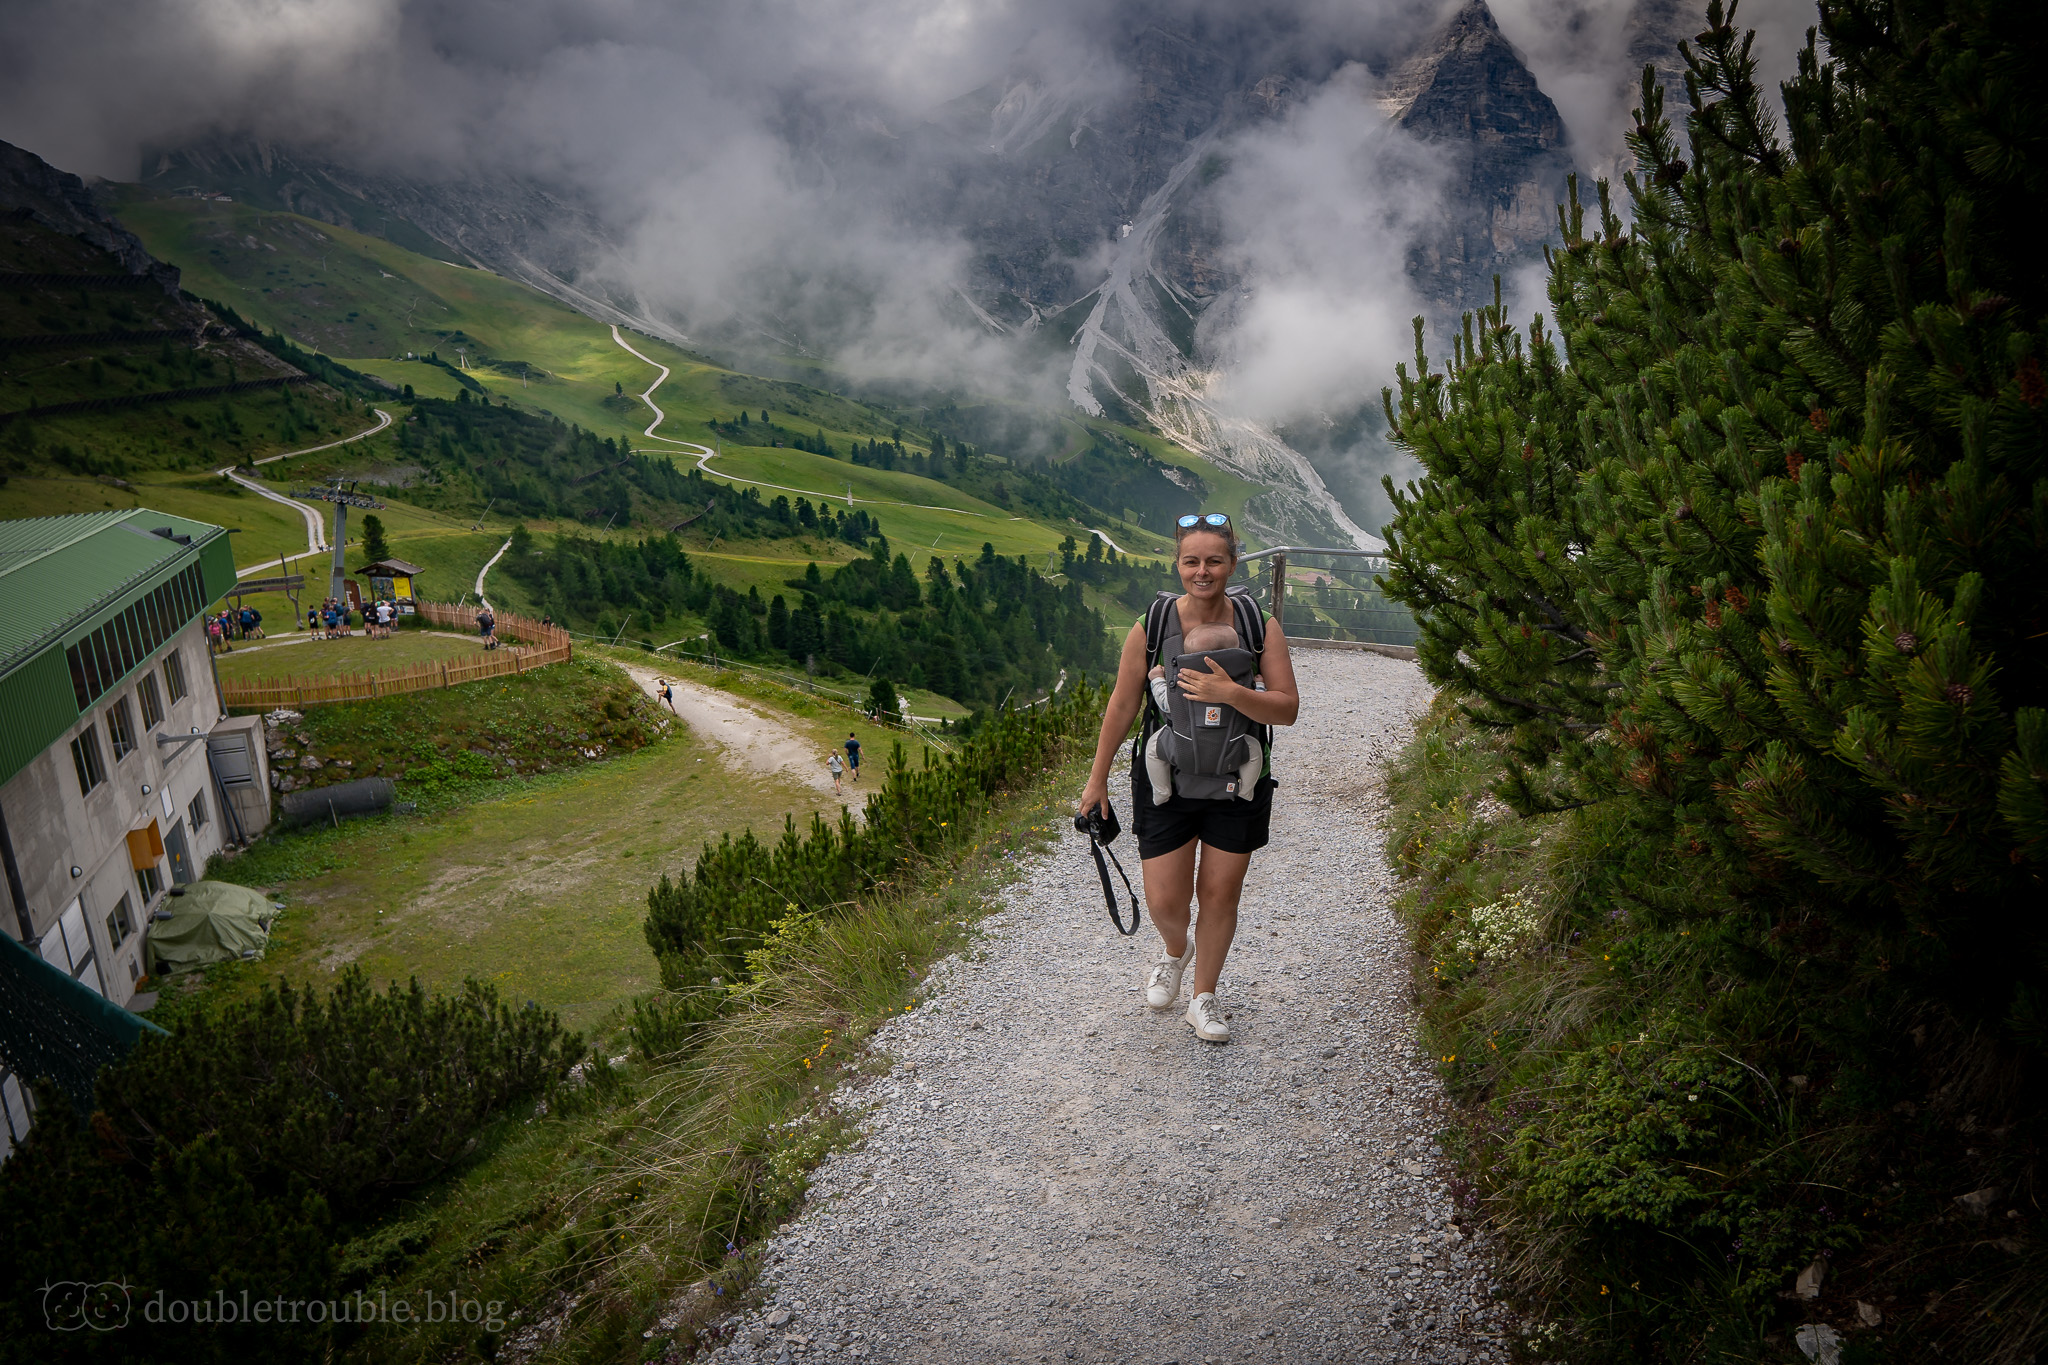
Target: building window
14,1112
85,752
151,698
67,947
174,676
121,729
103,658
196,812
120,923
148,881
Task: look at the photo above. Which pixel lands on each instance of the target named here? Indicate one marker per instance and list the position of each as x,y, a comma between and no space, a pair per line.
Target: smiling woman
1202,688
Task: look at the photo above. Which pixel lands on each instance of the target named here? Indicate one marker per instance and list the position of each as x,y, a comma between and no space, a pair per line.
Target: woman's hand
1094,797
1213,685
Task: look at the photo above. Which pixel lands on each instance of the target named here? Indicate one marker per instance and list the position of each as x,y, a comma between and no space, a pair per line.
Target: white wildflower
1502,928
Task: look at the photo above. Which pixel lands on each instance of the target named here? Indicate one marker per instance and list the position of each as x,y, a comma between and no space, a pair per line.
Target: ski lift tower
342,493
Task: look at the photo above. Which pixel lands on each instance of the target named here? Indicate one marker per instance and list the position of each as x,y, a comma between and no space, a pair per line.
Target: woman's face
1205,561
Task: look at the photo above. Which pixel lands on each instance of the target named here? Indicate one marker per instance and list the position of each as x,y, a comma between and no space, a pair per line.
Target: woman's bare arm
1124,701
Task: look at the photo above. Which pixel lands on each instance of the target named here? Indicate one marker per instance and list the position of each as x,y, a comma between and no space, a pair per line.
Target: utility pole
342,493
337,579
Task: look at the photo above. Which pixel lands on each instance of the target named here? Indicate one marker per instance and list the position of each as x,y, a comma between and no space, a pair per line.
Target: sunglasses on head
1203,519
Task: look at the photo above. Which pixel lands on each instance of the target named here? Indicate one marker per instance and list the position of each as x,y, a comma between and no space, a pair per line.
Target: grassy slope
370,301
539,886
732,1129
539,890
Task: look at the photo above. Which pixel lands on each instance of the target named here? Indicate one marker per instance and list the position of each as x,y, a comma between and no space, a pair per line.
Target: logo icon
69,1305
1212,715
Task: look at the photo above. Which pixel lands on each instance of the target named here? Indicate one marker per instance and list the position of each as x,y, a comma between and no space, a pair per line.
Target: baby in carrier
1206,750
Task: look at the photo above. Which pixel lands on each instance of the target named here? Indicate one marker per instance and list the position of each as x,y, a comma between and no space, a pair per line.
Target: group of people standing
232,625
328,621
332,620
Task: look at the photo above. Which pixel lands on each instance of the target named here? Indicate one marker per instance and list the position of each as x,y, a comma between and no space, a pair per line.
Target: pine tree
1758,548
375,550
882,700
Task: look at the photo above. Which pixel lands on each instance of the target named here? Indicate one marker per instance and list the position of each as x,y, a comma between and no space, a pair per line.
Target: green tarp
211,922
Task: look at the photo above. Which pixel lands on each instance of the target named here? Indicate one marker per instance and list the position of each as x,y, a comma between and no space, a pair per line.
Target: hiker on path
487,628
853,754
665,694
1227,829
835,767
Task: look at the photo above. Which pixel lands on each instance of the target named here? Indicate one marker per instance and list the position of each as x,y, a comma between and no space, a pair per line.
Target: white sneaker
1164,986
1205,1017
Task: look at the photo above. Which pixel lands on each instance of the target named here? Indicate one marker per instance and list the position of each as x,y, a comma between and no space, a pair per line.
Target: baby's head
1220,635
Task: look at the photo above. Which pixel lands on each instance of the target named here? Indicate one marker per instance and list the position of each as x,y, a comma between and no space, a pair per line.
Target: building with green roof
119,773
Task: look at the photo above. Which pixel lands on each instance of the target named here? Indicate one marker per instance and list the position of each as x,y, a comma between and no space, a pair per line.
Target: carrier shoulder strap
1155,640
1155,626
1251,622
1251,628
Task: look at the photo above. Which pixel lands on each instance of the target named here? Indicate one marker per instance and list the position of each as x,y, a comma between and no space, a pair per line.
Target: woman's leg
1169,891
1217,887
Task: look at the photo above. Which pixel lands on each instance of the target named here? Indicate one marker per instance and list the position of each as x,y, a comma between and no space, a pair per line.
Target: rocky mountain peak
1506,157
1468,82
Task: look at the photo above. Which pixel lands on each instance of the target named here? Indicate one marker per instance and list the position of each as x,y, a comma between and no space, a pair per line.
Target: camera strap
1098,848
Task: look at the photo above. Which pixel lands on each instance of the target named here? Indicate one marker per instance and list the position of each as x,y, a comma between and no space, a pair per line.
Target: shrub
702,924
236,1153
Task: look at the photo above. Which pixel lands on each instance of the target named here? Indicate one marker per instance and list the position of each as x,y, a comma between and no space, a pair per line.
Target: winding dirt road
316,526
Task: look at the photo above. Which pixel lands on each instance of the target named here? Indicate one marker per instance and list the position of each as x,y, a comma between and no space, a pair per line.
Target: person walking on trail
1197,845
666,695
487,628
853,754
835,767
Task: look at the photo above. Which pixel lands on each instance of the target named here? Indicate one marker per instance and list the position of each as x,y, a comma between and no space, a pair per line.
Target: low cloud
1321,212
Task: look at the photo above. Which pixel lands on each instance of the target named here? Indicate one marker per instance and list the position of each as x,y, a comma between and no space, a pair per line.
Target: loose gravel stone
1054,1172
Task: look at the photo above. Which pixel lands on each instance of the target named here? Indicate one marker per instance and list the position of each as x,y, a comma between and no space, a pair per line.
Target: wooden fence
538,646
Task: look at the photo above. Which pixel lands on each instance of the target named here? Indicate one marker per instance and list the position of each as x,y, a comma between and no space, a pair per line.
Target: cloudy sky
682,126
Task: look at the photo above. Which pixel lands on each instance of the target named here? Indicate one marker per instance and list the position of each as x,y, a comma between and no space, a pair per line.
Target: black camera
1103,828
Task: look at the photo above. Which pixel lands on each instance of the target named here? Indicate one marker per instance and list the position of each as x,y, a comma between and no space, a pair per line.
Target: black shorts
1229,825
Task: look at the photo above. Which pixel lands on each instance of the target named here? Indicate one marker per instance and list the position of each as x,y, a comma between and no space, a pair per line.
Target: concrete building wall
56,827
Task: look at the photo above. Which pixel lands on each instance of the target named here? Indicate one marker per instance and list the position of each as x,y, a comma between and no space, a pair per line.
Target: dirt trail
747,739
1052,1172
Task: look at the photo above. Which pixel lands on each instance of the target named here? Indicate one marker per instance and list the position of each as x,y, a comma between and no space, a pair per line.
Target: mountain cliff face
1091,204
32,188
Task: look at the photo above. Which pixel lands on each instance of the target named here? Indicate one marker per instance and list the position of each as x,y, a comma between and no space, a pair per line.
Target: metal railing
1338,603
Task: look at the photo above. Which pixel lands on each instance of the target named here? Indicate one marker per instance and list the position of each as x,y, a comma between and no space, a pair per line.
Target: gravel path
747,740
1052,1172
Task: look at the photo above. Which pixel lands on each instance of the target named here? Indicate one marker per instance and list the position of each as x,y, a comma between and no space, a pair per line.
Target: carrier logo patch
1212,715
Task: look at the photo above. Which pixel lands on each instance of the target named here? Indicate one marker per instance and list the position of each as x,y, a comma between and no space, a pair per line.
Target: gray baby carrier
1205,743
